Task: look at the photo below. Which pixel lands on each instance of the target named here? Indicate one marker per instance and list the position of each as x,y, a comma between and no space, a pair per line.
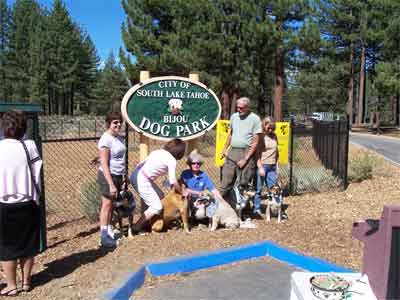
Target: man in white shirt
240,147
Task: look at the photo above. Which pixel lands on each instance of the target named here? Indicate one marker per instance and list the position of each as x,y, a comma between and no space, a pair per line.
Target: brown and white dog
274,203
175,206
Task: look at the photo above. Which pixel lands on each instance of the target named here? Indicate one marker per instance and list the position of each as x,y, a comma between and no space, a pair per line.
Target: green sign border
128,96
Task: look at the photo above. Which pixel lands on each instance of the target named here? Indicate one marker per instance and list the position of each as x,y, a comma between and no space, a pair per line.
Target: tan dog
225,216
174,206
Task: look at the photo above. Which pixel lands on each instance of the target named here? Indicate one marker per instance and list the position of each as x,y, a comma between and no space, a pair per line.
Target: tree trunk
48,102
350,88
360,110
393,108
233,103
279,83
225,105
397,109
71,101
261,105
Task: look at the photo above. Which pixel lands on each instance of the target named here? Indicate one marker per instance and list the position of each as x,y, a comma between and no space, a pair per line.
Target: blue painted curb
134,282
207,259
301,261
215,258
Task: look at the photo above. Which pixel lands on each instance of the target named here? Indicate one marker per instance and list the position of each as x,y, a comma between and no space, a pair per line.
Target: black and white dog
274,203
124,206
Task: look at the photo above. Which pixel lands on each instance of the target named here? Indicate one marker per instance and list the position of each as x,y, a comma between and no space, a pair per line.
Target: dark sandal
26,287
10,293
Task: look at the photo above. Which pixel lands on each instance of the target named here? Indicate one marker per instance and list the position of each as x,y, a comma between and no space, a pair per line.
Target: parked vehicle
326,116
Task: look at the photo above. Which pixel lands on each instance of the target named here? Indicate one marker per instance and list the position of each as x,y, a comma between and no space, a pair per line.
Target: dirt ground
319,225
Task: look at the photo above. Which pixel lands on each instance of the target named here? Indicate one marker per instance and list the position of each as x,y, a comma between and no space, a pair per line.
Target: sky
102,19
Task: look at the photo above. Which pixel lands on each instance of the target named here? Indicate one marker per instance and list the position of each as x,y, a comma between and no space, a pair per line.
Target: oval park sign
170,107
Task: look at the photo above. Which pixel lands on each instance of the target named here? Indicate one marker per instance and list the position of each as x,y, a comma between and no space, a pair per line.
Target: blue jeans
270,180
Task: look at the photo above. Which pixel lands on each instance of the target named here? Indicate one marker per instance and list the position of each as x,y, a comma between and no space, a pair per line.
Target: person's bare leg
105,211
10,270
26,270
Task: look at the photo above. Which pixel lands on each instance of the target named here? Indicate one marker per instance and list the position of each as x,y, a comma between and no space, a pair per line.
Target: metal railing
331,144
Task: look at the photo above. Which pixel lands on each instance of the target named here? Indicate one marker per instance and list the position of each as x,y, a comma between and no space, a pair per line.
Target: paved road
386,146
256,281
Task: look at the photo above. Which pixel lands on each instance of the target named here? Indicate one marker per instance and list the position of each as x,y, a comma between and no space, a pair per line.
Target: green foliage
91,200
361,167
238,48
5,22
110,87
232,44
27,18
45,57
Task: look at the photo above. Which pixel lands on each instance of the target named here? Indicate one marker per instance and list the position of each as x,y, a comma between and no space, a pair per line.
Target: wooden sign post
192,144
144,141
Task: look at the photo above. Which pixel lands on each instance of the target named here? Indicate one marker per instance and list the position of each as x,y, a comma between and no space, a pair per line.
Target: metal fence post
45,129
346,154
338,163
127,149
291,158
332,138
62,128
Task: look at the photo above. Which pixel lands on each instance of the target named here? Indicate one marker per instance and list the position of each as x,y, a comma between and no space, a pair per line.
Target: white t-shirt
15,178
160,162
117,152
243,130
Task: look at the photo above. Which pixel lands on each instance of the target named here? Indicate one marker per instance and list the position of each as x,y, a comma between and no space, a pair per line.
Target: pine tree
38,65
387,80
63,59
5,23
184,36
87,71
111,86
285,15
26,17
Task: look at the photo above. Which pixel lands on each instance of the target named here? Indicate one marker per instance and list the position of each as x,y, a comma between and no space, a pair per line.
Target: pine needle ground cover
319,225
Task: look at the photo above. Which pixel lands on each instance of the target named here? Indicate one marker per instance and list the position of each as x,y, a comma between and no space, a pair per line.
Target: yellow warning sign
223,131
282,131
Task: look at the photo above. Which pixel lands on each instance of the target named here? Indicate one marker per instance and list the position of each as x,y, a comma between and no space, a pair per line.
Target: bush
361,166
91,200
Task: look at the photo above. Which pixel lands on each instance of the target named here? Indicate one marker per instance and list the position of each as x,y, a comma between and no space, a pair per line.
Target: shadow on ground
62,267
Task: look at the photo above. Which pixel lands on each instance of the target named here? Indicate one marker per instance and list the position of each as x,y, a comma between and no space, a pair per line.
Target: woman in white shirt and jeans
110,175
159,162
19,202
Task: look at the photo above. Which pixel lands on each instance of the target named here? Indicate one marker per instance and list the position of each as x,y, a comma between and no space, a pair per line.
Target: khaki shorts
118,180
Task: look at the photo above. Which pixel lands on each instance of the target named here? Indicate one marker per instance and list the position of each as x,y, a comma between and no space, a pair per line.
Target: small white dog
274,203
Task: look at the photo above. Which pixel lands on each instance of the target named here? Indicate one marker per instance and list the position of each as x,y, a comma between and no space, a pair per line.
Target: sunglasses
270,127
241,107
196,163
116,122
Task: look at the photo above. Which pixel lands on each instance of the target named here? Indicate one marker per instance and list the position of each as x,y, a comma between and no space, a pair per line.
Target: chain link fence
70,181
